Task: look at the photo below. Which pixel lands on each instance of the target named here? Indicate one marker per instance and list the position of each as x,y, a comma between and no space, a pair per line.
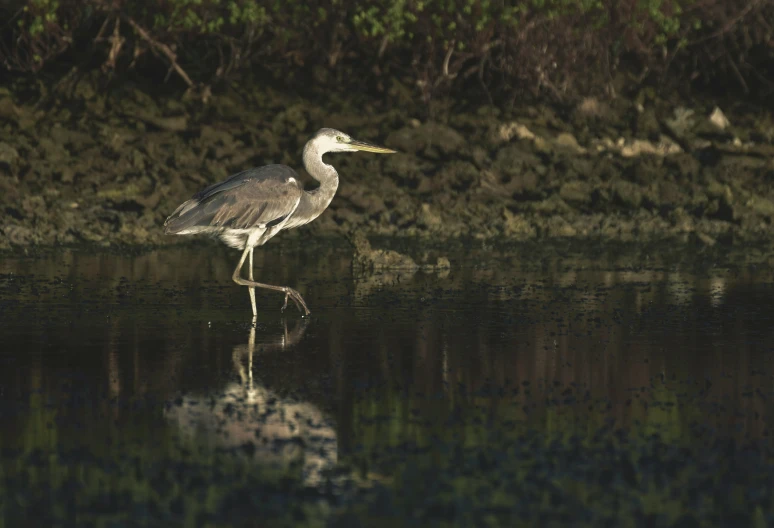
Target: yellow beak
369,147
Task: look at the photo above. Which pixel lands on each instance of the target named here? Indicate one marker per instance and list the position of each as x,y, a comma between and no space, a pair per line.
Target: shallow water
140,381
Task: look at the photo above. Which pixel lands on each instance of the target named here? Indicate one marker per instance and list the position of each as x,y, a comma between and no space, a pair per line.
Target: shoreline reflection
282,432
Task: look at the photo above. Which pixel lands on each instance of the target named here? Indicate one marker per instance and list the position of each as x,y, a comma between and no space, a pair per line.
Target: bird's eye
340,139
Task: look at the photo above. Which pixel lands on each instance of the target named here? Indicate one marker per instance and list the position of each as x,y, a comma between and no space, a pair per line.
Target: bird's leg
295,297
289,292
251,290
236,278
251,349
236,357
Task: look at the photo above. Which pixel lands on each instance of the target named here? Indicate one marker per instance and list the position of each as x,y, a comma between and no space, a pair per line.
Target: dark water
574,390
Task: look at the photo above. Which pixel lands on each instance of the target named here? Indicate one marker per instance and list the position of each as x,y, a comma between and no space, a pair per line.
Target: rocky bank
107,168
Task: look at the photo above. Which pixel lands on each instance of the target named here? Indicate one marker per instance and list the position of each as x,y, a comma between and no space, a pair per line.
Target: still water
136,385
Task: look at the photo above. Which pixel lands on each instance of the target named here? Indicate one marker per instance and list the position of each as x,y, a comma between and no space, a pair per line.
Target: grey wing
260,197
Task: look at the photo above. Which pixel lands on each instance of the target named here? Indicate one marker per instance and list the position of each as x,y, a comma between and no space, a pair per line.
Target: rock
8,156
291,121
648,126
86,88
74,140
367,259
567,141
18,235
9,111
517,226
593,108
33,205
505,132
515,159
455,175
51,151
407,170
412,140
552,205
556,226
682,122
366,201
210,136
428,218
638,147
524,184
347,217
576,192
172,124
682,221
714,128
146,114
648,170
484,174
541,145
716,189
630,194
719,119
442,263
686,165
480,157
761,205
706,239
669,193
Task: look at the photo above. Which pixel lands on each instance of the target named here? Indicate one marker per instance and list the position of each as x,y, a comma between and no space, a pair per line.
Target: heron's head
331,140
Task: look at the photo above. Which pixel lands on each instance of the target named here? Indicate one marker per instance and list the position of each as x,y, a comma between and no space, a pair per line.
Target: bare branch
162,48
116,43
446,61
383,46
738,74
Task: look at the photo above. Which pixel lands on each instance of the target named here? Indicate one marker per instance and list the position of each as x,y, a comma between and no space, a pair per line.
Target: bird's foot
296,298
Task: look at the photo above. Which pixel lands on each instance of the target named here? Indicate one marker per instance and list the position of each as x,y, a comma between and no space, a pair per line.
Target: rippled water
113,366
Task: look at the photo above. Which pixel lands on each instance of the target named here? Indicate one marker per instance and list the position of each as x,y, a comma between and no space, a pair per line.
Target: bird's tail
178,222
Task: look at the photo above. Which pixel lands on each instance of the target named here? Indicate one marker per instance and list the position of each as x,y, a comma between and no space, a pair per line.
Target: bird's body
250,207
255,203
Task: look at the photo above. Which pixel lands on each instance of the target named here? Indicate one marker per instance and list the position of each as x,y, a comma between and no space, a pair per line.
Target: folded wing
261,197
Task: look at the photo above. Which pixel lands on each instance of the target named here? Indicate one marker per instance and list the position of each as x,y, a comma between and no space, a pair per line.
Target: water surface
504,389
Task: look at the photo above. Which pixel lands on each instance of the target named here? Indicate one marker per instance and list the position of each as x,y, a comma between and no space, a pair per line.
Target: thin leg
236,357
289,292
251,349
251,290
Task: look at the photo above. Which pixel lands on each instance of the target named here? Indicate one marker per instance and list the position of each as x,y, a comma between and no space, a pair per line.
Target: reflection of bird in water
250,207
274,430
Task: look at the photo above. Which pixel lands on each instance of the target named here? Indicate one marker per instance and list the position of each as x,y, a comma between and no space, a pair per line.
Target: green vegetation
558,46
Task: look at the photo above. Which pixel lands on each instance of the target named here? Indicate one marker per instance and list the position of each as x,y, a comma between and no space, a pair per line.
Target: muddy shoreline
106,169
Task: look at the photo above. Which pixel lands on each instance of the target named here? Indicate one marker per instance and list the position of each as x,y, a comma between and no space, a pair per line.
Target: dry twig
116,43
162,48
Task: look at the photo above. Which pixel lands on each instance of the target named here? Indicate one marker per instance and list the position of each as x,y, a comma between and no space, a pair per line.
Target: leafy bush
558,46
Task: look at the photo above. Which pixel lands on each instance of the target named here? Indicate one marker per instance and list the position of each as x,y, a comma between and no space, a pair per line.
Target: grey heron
250,207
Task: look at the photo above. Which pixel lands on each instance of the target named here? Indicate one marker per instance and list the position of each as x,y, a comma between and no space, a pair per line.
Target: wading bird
250,207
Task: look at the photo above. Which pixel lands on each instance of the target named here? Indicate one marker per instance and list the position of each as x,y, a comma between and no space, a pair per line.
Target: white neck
322,172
